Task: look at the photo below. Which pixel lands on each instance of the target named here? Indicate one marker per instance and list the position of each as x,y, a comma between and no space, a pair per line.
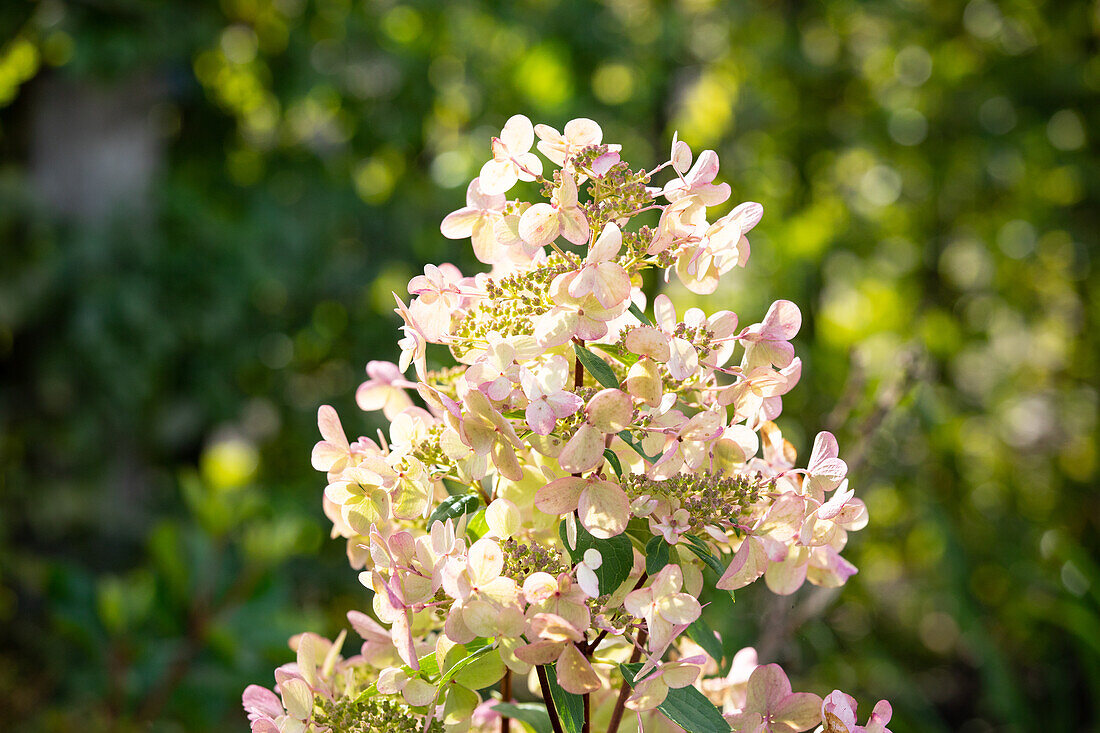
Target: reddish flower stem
544,683
624,691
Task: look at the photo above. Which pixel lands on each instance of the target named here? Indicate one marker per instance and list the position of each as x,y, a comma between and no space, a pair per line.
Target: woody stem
624,691
506,696
551,709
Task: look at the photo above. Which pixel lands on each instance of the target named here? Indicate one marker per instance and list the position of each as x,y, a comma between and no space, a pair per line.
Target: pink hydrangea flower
838,715
771,707
511,160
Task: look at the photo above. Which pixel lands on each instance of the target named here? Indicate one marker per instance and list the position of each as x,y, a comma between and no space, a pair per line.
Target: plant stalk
551,708
624,691
506,696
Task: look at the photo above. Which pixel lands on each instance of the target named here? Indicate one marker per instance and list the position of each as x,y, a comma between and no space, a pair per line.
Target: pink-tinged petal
799,711
610,410
748,564
518,134
836,504
714,195
854,516
836,569
583,132
602,164
604,509
583,282
329,424
768,686
263,725
664,313
298,698
564,404
681,675
587,580
842,706
484,240
498,176
607,245
574,225
681,155
679,608
612,285
591,328
879,718
575,673
459,224
648,341
784,578
261,701
556,326
825,447
749,214
668,581
478,199
546,132
643,382
566,193
560,496
531,162
584,451
703,426
705,168
540,417
539,225
683,359
540,652
506,461
325,455
782,321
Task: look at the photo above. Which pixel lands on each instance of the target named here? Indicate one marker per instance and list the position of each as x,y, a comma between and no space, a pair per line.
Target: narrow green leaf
597,367
640,314
532,714
570,707
629,440
656,555
686,706
617,553
613,460
702,634
462,664
703,552
453,507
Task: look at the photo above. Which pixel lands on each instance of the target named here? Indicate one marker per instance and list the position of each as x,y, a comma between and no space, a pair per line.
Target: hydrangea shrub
549,510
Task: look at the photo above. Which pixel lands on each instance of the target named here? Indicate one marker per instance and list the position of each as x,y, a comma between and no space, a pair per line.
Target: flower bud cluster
508,519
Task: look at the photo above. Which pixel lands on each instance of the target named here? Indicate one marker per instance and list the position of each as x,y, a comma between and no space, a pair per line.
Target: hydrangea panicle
564,464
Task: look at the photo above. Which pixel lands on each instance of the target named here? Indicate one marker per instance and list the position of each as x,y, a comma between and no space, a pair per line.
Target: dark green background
930,183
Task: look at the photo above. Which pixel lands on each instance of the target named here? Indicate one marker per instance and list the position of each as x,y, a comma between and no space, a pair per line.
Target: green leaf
640,314
481,672
703,552
462,664
614,461
476,526
570,707
617,553
702,634
656,555
597,367
686,706
629,440
533,714
453,507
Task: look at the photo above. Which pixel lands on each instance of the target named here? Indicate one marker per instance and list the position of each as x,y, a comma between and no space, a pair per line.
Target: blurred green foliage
930,178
